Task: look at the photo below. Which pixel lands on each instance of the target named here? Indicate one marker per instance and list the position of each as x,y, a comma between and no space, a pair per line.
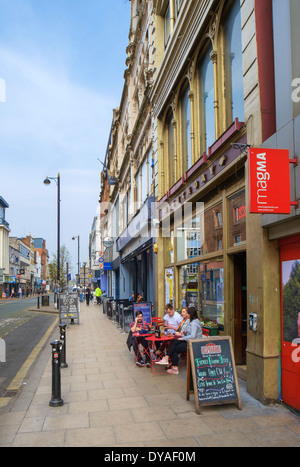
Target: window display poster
145,308
291,299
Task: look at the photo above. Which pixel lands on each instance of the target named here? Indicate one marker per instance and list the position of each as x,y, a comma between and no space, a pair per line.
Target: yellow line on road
20,376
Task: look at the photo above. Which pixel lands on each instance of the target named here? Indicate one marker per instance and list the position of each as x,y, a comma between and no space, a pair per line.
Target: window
189,239
213,229
144,181
138,194
234,62
188,285
207,110
171,149
237,219
167,20
186,129
178,3
211,290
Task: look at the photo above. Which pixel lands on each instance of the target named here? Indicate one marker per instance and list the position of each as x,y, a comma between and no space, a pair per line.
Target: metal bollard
38,302
56,400
62,337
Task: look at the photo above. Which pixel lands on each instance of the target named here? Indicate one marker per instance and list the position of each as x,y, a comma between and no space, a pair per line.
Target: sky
61,75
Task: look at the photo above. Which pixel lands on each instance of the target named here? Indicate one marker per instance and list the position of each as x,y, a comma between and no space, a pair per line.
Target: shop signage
9,279
269,181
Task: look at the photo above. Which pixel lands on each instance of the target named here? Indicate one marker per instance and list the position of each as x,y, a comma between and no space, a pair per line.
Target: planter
212,331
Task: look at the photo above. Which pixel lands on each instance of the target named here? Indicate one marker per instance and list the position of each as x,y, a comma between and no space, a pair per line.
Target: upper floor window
178,4
171,148
185,107
207,111
234,62
167,20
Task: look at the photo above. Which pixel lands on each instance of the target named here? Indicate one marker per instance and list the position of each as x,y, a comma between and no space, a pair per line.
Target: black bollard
56,400
62,337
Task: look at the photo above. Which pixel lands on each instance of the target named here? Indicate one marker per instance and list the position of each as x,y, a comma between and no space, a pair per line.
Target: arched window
207,110
234,62
185,106
171,148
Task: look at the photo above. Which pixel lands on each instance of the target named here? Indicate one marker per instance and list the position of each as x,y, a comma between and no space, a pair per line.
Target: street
21,330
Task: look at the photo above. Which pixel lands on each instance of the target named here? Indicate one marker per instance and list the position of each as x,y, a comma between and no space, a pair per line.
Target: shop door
290,321
240,308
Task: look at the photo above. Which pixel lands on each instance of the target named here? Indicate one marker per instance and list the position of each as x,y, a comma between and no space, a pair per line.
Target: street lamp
47,182
74,238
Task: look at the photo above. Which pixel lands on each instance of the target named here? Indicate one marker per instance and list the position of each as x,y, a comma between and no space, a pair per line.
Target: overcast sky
62,62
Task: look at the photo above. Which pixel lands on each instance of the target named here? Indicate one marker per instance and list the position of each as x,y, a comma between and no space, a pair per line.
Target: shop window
211,292
188,285
169,286
213,229
234,62
237,219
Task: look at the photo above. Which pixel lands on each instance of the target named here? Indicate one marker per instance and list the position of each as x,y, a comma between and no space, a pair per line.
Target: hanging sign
269,181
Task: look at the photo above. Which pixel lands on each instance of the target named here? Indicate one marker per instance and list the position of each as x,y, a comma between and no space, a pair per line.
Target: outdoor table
152,339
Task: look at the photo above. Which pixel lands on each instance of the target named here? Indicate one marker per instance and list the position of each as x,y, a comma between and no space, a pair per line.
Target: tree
65,259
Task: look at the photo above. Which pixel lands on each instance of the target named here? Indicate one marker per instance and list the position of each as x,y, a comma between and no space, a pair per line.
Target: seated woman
192,331
136,326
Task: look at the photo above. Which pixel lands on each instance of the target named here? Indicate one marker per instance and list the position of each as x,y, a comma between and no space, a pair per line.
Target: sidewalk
109,401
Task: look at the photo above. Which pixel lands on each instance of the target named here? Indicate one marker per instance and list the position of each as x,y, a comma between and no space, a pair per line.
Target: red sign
269,181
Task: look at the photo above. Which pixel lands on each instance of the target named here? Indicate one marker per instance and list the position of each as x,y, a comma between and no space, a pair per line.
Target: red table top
162,338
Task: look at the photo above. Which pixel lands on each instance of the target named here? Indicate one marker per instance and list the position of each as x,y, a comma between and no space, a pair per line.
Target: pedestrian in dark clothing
87,295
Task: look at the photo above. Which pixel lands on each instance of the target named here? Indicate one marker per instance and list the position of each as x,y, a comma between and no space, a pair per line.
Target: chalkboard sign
214,378
68,308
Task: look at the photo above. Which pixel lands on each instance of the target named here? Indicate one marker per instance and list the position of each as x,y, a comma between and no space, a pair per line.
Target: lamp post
47,182
74,238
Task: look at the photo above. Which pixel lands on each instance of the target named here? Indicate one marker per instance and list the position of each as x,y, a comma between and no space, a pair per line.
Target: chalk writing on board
214,372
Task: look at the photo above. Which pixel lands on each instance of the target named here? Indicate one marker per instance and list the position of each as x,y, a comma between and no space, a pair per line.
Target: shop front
290,320
136,256
203,242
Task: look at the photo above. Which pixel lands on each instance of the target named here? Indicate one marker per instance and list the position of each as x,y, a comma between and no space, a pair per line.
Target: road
22,331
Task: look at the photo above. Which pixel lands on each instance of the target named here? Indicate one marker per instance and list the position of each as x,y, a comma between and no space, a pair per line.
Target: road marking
21,375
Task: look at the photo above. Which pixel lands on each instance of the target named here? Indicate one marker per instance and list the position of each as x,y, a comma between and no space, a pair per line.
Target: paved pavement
110,402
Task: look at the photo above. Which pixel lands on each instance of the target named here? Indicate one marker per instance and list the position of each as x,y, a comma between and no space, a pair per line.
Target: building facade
127,181
271,354
218,79
199,115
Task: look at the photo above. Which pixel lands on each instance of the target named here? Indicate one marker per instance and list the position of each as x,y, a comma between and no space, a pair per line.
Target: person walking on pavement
98,294
87,295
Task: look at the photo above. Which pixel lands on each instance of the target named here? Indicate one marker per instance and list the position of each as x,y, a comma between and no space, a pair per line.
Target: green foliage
291,304
64,259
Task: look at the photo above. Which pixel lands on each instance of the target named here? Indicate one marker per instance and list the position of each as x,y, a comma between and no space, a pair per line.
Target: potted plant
212,326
